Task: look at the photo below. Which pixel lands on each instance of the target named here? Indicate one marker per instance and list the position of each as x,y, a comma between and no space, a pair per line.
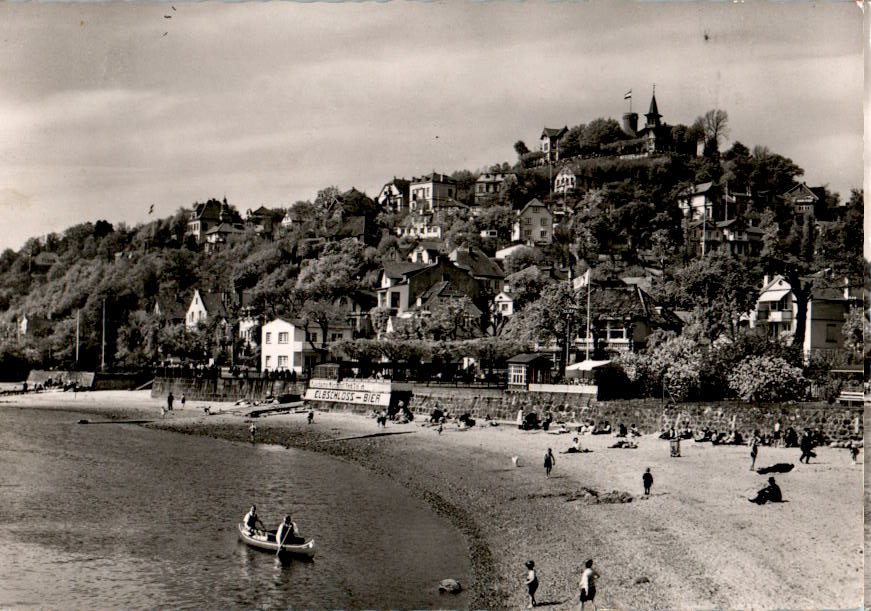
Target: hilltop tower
630,123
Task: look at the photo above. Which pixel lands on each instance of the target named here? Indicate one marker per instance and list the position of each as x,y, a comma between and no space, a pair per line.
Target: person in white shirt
587,584
251,520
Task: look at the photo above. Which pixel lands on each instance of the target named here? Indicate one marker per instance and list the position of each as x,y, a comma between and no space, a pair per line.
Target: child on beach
253,430
549,462
647,480
854,451
531,582
754,449
587,584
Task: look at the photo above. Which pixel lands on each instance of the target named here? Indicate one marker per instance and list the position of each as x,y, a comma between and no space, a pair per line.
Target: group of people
586,584
286,533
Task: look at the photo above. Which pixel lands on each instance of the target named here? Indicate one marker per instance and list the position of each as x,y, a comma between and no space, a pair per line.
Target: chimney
846,288
765,281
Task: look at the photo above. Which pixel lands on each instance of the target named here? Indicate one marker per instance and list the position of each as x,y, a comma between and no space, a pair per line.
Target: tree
715,124
855,331
762,378
520,148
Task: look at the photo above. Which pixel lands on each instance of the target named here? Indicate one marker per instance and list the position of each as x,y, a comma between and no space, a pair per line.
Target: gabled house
423,227
287,344
805,200
656,134
534,224
294,217
204,306
431,192
426,251
776,314
490,184
482,268
208,215
170,312
263,221
704,200
395,195
550,138
401,284
503,303
221,234
566,181
34,325
624,316
740,238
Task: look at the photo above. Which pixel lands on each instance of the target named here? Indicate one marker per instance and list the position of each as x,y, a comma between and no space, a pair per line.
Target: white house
566,181
202,306
504,303
534,224
285,345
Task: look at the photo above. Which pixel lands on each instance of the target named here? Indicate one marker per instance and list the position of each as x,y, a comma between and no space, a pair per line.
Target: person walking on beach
183,399
169,400
549,462
854,451
311,416
587,584
531,582
253,430
647,480
754,449
807,448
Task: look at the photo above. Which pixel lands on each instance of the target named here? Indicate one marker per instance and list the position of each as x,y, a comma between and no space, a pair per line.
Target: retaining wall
224,389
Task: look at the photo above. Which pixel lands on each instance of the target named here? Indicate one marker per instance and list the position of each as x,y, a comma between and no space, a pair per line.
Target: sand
696,542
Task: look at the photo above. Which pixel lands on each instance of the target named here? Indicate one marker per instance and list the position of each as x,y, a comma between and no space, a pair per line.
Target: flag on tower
627,95
151,209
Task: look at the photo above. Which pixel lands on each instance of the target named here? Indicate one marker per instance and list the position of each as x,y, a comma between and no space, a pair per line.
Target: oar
283,539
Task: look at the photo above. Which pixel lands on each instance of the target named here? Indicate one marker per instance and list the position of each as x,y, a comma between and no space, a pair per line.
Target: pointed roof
654,109
554,132
533,203
476,263
214,304
399,269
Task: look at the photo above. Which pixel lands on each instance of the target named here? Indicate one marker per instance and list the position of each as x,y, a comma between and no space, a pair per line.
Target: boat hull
263,541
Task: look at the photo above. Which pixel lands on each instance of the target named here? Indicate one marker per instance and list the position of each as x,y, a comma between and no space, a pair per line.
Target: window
311,336
394,299
282,362
544,221
282,337
267,362
267,339
616,333
831,332
336,337
527,221
517,374
543,234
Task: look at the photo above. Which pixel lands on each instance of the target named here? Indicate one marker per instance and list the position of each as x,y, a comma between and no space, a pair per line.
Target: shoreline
695,542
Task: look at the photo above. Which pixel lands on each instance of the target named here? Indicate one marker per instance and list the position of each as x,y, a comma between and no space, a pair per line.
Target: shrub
764,378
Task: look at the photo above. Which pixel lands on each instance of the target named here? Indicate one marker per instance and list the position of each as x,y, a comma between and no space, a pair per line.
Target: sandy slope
695,543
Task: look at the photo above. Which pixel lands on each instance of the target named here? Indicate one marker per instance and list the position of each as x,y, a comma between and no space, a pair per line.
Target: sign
359,392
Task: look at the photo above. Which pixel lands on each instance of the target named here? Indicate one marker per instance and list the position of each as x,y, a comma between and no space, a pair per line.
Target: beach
696,542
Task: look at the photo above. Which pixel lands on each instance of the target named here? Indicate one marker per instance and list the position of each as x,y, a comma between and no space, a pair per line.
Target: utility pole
103,346
77,339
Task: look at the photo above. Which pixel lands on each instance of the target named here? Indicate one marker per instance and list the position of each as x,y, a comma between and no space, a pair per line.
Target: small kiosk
528,368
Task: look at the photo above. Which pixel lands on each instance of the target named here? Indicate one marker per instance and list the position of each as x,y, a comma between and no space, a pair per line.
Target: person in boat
251,520
287,532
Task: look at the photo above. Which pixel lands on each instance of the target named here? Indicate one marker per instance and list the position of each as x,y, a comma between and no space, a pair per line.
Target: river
117,515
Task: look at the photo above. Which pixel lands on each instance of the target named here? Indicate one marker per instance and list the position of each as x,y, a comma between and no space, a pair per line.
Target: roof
213,304
586,365
554,132
475,262
430,245
171,310
774,295
211,210
223,228
399,269
654,109
829,294
354,227
336,323
503,253
701,188
533,203
434,177
528,357
801,189
493,176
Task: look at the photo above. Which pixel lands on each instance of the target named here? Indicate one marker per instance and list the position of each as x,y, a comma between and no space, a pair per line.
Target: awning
774,295
586,365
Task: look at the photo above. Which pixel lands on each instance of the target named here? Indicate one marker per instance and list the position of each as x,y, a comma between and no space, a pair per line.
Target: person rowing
251,520
287,532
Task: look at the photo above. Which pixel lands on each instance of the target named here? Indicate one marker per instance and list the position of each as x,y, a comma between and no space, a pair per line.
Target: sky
108,109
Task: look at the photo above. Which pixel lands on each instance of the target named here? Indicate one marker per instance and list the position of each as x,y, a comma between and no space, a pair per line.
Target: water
110,516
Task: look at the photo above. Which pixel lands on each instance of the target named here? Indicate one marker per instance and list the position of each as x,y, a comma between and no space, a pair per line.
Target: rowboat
265,540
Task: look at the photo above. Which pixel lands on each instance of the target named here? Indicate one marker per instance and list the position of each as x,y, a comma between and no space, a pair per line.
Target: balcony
779,316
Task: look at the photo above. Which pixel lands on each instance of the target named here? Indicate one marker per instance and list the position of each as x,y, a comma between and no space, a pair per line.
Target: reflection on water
120,516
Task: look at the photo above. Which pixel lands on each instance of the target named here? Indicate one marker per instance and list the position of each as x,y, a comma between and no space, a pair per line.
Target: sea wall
836,422
224,389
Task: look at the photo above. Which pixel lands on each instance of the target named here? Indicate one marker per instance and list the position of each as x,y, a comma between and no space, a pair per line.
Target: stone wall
836,422
224,389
